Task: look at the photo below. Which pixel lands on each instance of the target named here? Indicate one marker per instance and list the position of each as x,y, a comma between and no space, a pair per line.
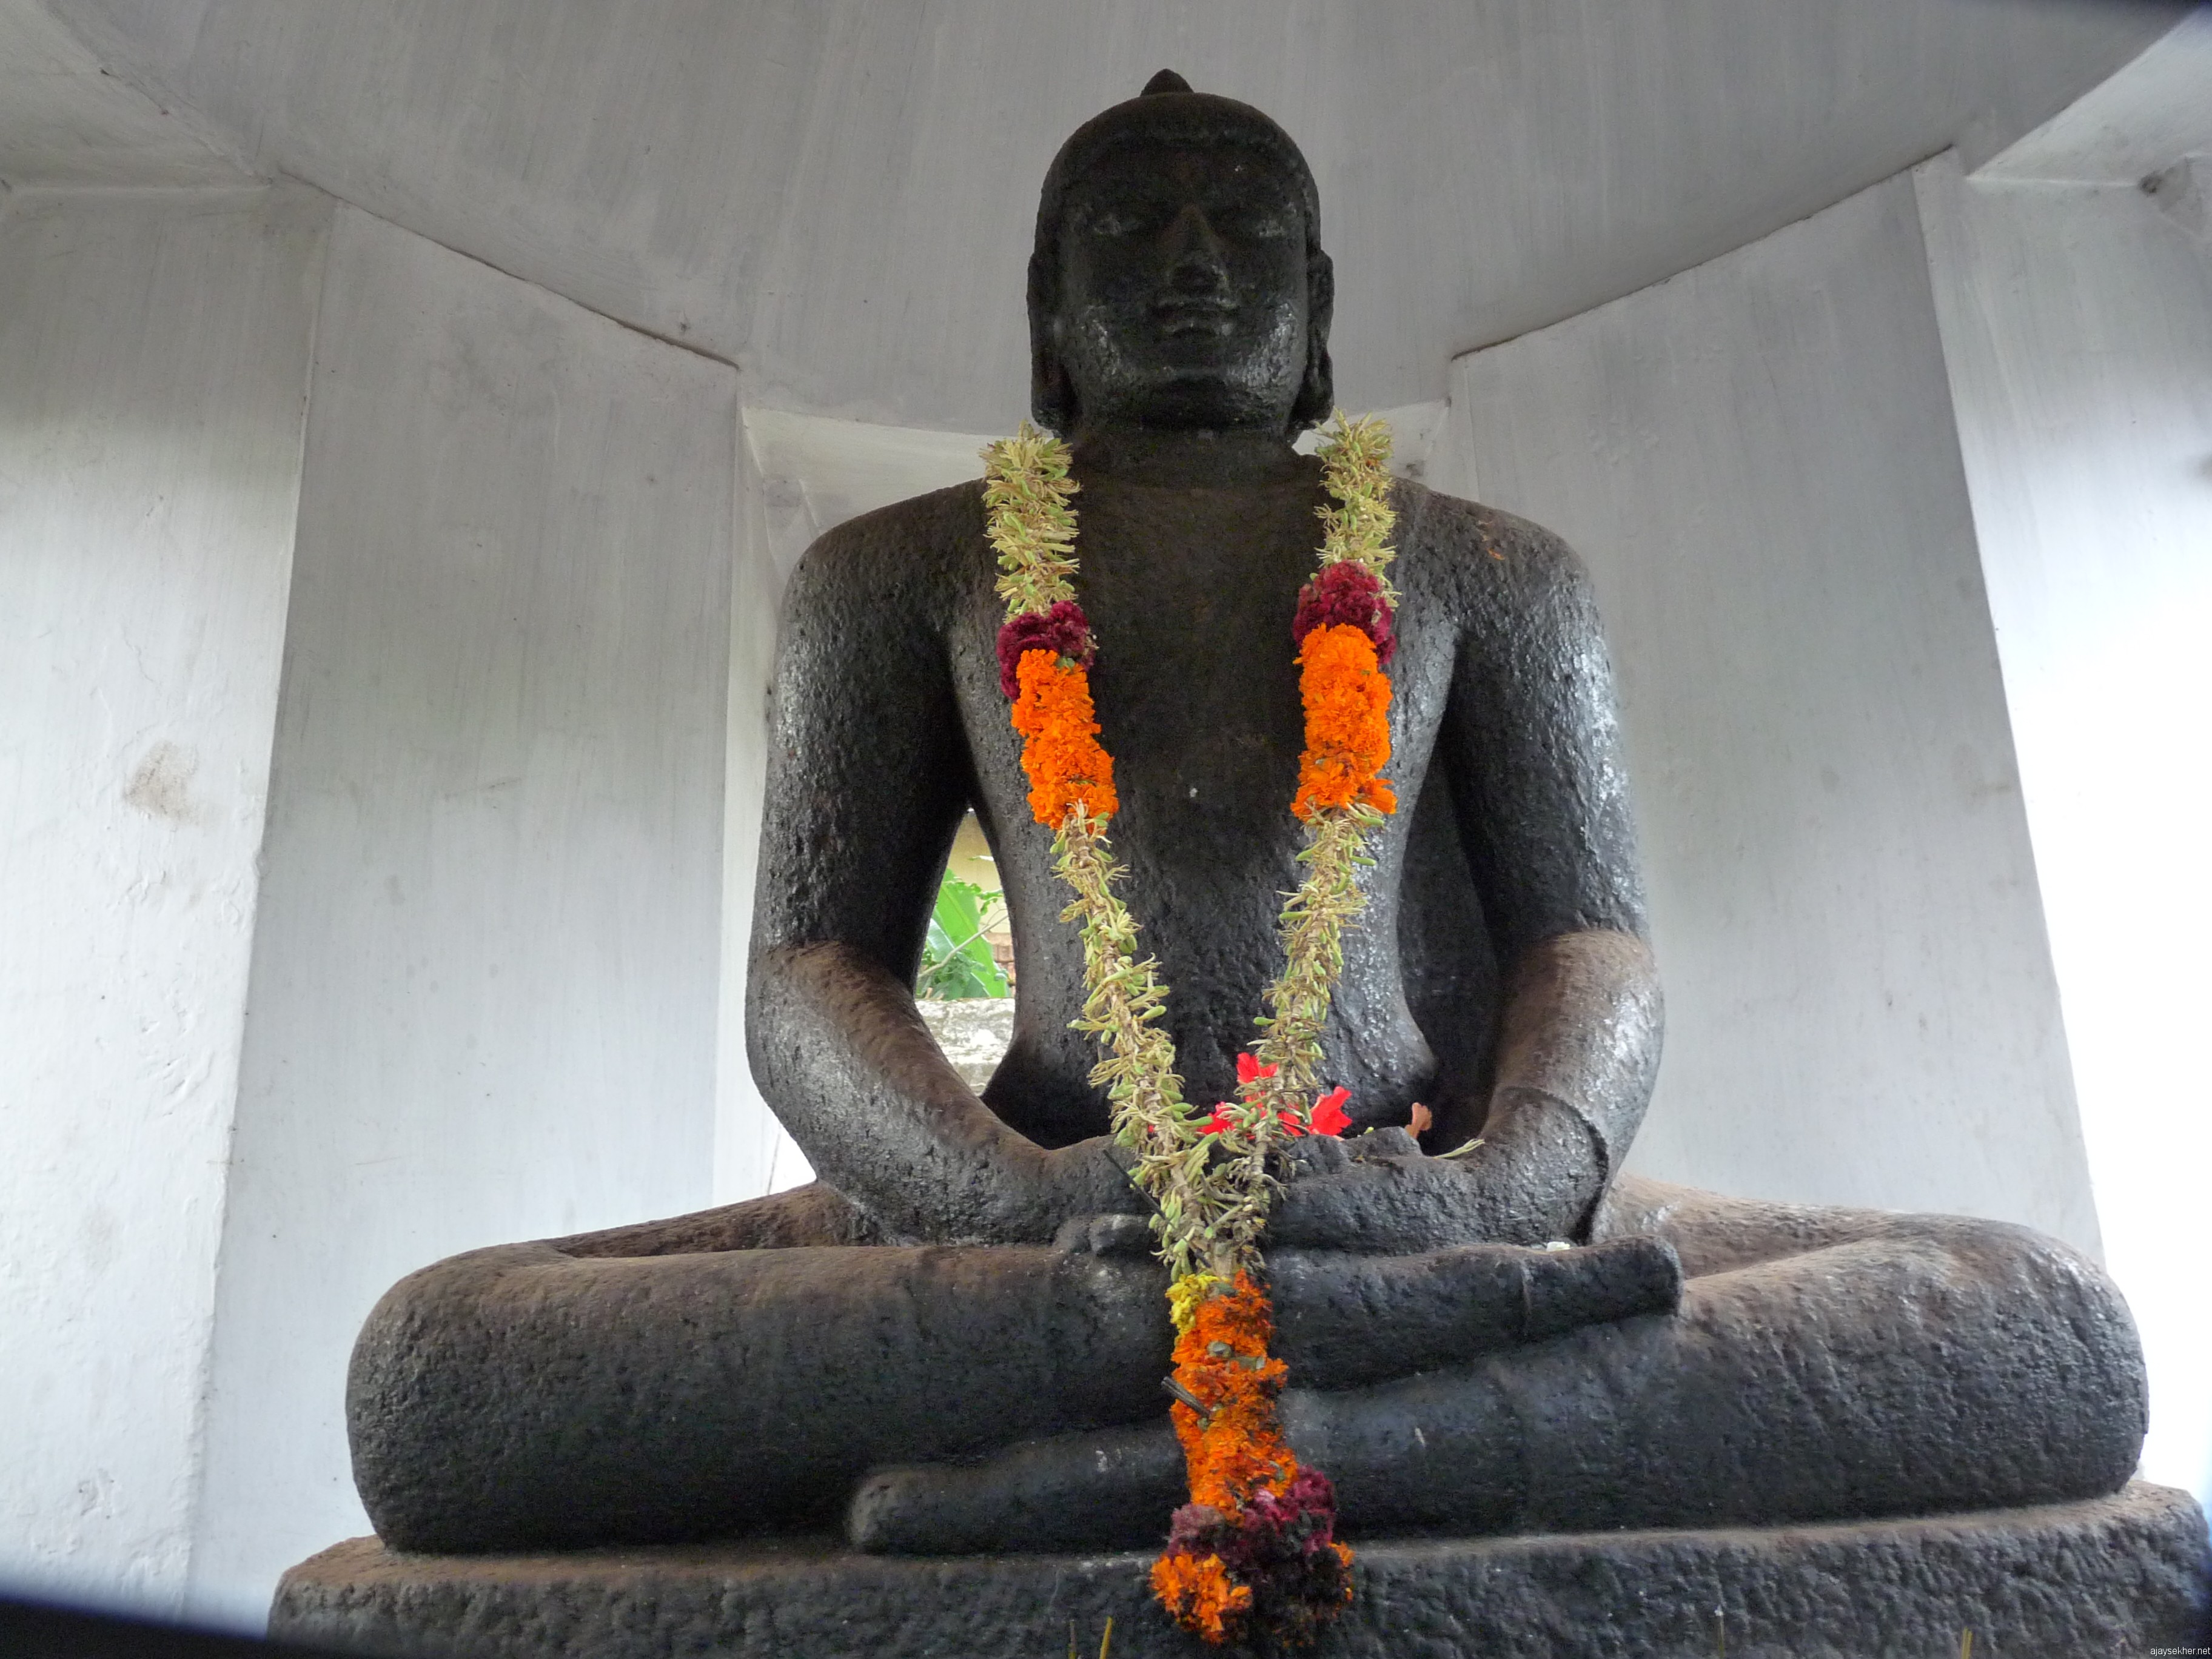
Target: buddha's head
1178,280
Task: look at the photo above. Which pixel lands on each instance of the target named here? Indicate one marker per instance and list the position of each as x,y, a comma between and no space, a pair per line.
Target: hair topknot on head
1168,111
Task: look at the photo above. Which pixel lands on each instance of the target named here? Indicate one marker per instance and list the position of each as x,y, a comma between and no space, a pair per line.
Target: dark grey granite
2125,1575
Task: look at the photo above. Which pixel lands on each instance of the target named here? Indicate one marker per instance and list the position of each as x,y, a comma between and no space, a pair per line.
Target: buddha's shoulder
938,533
1464,543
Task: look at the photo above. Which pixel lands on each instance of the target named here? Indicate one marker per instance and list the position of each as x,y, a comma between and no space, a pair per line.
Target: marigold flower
1061,751
1253,1553
1278,1544
1198,1593
1347,706
1236,1447
1186,1295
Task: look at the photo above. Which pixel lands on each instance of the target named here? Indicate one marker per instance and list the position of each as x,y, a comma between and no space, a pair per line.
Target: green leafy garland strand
1212,1192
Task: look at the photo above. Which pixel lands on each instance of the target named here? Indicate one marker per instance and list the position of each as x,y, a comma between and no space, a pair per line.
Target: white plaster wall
152,373
753,1154
483,996
2077,325
1757,460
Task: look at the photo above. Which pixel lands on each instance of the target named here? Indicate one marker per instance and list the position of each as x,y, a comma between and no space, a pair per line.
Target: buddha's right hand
1089,1179
1343,1320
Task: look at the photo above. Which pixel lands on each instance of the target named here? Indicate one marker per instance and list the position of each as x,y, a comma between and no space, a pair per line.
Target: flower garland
1253,1552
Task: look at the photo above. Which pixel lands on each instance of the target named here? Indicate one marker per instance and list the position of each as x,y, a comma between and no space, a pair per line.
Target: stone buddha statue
954,1341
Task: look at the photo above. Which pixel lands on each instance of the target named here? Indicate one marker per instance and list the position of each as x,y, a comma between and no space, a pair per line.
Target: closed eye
1115,223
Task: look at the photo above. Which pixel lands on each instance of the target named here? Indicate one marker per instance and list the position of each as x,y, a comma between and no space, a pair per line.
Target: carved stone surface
2119,1575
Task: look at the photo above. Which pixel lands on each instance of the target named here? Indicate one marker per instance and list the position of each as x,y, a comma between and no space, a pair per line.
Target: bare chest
1191,596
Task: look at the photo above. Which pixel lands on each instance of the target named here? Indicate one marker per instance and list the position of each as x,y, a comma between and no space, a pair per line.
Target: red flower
1063,630
1349,593
1329,1117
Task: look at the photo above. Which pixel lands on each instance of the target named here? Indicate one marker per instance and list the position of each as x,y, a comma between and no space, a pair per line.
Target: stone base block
2125,1575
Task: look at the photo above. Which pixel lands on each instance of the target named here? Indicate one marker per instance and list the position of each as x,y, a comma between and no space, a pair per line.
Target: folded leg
1825,1365
542,1394
522,1396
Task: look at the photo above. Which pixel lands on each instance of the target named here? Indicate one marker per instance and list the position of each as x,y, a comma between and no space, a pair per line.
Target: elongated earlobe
1052,398
1317,390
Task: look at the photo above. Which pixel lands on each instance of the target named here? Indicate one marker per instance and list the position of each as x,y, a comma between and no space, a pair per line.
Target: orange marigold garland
1256,1546
1253,1553
1060,751
1347,700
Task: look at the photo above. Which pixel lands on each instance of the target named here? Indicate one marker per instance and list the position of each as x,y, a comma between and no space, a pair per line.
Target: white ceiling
2132,125
64,120
838,194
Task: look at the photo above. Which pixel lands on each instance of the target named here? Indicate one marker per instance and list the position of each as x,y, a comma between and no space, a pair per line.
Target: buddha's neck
1191,459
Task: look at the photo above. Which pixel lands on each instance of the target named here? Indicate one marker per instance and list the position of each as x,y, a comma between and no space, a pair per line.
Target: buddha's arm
868,774
1531,736
1575,1058
1529,741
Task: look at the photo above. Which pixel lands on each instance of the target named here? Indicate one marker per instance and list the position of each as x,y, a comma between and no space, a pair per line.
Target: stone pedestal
2123,1575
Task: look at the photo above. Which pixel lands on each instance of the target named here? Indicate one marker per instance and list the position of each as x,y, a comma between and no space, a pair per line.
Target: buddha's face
1183,290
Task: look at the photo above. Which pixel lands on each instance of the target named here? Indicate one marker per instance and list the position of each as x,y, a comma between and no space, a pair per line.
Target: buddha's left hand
1532,1180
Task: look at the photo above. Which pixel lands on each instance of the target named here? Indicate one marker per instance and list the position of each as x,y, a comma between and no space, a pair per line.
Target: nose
1196,266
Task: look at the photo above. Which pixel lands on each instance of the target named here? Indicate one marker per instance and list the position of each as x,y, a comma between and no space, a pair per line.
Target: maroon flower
1346,592
1282,1549
1063,630
1194,1528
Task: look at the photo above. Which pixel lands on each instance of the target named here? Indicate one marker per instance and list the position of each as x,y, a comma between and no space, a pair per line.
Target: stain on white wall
1757,460
2135,122
2077,325
153,372
483,996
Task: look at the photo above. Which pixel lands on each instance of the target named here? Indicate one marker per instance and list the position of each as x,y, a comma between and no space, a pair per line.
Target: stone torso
1191,593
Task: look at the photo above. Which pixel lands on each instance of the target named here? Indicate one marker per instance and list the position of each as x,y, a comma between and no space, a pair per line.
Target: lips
1190,313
